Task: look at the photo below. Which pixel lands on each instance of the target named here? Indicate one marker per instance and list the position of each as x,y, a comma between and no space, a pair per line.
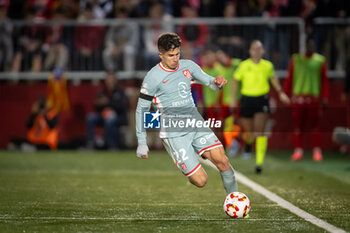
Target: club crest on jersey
187,74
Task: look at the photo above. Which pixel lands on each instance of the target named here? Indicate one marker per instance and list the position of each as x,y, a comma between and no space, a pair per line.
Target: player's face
170,59
256,50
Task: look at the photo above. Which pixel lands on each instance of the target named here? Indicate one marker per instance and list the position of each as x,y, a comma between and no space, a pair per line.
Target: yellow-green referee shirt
254,77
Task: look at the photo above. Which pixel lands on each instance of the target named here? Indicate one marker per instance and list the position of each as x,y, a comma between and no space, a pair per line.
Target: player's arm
288,82
325,84
277,86
237,78
146,95
234,90
143,103
205,79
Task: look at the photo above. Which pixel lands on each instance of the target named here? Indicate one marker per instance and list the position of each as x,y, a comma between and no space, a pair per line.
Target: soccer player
307,83
254,75
168,85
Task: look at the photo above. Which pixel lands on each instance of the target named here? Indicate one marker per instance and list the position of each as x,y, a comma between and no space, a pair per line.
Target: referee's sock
261,145
229,180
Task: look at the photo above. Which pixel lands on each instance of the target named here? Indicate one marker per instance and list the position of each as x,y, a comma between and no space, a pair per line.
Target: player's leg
218,158
110,130
313,117
209,147
248,136
199,178
297,115
181,151
92,120
247,110
260,120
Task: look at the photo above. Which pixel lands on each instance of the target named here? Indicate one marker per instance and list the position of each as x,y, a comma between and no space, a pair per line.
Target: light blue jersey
169,90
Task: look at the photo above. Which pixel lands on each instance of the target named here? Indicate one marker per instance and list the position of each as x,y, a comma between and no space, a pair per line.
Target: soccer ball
237,205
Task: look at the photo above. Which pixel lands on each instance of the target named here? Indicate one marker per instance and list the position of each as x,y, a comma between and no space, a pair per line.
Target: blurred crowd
129,46
81,35
74,9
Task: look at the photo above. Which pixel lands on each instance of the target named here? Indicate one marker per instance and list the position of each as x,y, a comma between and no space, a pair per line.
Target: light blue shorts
185,149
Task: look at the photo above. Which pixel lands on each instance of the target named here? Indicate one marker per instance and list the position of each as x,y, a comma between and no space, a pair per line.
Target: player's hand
220,81
284,98
142,150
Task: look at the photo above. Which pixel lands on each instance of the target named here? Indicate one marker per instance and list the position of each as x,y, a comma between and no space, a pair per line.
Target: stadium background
273,22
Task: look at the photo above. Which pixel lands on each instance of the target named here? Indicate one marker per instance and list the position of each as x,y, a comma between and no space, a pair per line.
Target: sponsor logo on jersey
202,141
183,89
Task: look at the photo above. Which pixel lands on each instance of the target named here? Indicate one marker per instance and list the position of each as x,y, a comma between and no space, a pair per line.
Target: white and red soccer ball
237,205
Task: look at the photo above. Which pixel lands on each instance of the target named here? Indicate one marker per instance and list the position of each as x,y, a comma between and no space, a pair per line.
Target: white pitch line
287,205
281,202
7,218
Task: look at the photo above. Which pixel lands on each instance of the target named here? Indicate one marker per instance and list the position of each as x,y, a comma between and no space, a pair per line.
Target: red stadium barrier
16,101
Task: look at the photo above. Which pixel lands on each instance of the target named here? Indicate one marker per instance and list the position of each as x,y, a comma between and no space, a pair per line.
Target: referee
255,75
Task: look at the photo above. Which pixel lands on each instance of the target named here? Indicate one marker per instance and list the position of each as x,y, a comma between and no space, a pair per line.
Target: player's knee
199,181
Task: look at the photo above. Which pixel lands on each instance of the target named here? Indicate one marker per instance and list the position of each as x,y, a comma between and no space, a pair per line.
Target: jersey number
183,155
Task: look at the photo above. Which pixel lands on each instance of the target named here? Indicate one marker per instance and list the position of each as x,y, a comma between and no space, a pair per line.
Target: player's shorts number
181,156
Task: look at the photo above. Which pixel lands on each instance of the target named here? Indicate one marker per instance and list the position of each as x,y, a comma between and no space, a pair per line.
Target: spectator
308,86
70,8
43,9
6,46
331,41
195,35
275,37
229,37
209,65
101,8
151,32
29,48
16,8
211,8
57,52
291,8
42,125
88,41
259,8
121,43
111,106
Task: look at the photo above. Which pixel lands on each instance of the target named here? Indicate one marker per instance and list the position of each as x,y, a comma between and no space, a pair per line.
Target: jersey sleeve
270,70
147,92
200,76
238,74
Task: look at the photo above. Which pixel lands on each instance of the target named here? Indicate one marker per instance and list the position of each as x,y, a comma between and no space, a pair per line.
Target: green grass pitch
71,191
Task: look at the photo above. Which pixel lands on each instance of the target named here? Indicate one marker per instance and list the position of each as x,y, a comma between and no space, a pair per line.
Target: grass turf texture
117,192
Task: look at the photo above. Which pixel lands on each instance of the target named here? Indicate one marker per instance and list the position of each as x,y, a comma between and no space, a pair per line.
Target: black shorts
251,105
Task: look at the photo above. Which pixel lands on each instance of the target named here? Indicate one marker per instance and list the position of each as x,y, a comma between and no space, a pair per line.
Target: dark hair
168,41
